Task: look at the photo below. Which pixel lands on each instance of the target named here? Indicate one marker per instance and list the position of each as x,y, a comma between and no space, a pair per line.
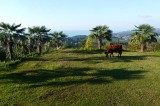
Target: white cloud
145,16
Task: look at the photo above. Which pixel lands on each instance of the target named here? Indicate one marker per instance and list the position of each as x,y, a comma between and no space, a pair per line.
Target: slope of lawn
81,78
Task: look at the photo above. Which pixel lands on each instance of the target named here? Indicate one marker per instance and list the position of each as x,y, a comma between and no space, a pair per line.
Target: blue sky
81,15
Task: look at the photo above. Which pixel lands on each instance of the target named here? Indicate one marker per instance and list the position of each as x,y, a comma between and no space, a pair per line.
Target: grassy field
81,78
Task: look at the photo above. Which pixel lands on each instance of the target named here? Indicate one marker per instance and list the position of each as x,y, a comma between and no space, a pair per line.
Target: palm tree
101,32
22,43
39,34
58,38
144,33
10,32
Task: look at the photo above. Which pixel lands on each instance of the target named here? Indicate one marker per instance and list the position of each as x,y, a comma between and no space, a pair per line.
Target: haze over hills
127,34
120,36
71,33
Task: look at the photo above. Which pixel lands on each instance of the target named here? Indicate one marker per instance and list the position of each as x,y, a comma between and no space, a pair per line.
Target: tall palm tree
144,33
101,32
22,44
58,38
39,34
10,32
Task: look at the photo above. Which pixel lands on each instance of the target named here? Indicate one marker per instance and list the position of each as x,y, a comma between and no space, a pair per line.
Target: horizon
79,15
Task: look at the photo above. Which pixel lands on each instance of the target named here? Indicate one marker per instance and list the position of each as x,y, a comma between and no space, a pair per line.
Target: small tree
89,43
58,38
101,32
10,32
39,34
144,33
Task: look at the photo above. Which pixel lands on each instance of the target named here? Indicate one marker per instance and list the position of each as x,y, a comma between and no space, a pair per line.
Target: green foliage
154,46
77,41
2,55
58,39
108,44
10,34
134,46
144,33
82,44
89,43
38,37
101,32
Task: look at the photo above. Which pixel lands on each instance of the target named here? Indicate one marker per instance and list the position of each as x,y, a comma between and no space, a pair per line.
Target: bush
154,46
89,44
134,46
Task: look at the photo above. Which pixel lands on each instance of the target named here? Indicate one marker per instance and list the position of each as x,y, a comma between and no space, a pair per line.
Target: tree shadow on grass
14,64
97,51
79,59
126,58
38,76
99,59
70,76
129,58
88,60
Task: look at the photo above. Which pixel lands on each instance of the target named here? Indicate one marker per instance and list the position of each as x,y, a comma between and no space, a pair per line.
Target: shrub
134,46
89,44
154,46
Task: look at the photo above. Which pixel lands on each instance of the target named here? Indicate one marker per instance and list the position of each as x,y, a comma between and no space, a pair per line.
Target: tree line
16,42
141,34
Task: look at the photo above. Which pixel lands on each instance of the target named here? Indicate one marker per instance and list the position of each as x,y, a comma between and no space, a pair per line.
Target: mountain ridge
128,33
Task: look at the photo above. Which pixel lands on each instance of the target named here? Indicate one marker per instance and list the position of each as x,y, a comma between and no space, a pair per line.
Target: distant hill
74,41
127,34
158,30
78,37
123,36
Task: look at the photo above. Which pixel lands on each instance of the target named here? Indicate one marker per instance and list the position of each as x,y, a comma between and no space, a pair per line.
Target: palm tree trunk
22,49
29,49
58,45
99,43
10,50
39,49
142,47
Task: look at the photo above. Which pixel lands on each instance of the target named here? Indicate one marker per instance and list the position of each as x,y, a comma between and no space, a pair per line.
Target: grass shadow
98,59
97,51
14,64
126,58
74,76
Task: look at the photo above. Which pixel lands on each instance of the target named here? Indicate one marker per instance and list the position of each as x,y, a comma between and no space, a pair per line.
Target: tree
22,45
39,34
10,32
58,38
101,32
144,33
89,43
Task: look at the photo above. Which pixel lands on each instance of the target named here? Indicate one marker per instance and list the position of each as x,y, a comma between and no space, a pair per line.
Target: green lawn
81,78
